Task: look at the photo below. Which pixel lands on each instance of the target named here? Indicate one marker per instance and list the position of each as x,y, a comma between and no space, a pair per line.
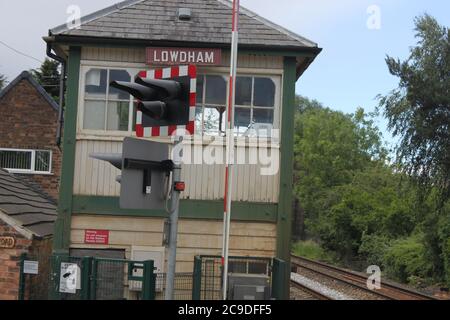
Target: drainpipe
61,93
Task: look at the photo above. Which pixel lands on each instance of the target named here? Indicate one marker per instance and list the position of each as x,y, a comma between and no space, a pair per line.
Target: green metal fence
49,277
116,279
208,275
182,286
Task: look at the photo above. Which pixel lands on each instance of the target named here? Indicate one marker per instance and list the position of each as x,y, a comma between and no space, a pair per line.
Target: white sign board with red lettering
96,237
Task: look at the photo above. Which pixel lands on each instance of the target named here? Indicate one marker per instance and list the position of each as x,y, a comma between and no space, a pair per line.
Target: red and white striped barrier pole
230,147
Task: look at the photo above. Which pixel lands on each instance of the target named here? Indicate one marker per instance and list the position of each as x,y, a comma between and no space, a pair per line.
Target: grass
311,250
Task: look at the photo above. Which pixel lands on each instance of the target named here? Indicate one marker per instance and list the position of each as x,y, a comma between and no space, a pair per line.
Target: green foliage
372,204
312,250
418,111
405,260
48,76
2,81
356,203
443,235
329,147
358,206
373,248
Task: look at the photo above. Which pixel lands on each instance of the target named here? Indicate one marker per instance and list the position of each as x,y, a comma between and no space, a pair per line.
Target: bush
311,250
373,248
405,260
444,237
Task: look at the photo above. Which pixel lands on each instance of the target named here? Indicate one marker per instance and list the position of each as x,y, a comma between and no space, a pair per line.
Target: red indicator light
180,186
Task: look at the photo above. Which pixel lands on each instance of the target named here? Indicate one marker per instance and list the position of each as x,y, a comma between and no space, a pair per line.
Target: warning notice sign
96,237
70,278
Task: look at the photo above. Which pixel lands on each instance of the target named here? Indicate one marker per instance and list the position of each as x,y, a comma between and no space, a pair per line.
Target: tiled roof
26,205
157,20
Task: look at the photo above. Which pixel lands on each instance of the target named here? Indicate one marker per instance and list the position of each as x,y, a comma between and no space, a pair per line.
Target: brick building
28,124
26,226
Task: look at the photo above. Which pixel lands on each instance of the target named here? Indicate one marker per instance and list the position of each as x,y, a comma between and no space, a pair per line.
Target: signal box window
26,161
255,105
106,108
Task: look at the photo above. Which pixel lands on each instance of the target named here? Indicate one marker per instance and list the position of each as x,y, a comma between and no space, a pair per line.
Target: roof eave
88,40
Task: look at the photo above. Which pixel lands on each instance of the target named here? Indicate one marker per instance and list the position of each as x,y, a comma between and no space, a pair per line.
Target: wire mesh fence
182,286
209,273
36,285
85,278
109,279
115,279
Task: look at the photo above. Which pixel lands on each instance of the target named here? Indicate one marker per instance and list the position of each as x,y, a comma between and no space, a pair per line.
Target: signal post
146,171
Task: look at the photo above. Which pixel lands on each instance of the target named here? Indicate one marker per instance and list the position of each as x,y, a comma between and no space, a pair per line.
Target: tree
48,76
418,110
374,205
360,207
2,81
329,148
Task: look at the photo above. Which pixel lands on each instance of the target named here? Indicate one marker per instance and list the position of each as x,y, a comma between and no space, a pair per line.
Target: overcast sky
349,73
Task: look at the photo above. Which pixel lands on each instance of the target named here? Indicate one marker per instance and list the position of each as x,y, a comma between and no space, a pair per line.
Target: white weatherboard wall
203,182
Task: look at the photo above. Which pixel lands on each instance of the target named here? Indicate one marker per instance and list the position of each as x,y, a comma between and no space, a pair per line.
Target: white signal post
230,147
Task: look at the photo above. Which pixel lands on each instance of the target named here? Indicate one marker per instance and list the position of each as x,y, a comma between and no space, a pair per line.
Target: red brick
19,131
7,297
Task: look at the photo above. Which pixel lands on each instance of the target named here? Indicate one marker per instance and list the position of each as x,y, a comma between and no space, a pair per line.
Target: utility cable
20,52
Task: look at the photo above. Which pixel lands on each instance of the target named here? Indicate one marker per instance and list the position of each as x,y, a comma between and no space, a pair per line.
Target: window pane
42,161
264,92
118,113
244,91
216,90
200,82
198,120
15,160
241,120
263,116
94,115
213,120
118,75
96,83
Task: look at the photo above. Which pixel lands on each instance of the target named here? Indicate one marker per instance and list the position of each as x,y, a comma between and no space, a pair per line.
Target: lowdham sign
175,56
7,242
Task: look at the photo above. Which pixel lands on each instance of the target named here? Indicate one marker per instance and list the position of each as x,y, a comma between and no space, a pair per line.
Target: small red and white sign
174,56
96,237
167,131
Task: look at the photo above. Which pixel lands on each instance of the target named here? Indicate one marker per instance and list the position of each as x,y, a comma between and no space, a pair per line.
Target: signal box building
117,43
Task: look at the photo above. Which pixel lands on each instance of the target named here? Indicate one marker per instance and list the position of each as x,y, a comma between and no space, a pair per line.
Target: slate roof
157,21
26,205
25,75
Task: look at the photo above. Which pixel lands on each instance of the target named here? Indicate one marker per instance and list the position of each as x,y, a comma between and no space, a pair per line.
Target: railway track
358,281
316,295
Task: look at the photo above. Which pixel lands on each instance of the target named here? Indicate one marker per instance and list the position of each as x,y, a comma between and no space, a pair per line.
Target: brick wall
10,263
27,121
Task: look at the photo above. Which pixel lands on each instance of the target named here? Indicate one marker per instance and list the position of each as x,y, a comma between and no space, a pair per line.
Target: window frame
133,69
277,108
33,161
84,69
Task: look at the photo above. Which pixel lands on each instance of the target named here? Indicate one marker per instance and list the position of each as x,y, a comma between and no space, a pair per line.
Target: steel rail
388,290
311,292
